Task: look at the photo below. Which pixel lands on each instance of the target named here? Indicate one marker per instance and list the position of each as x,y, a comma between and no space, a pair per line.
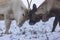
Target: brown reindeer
47,9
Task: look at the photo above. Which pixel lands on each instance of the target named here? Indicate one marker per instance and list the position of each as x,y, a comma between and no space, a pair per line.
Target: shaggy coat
46,9
13,9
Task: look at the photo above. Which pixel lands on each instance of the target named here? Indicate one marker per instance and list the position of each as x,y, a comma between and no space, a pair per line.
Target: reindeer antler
29,4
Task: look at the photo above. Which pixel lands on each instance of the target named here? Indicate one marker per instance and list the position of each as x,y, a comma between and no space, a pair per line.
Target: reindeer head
23,18
33,17
20,13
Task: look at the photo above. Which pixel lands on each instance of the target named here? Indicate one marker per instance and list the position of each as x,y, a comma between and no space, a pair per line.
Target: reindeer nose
45,20
31,23
20,25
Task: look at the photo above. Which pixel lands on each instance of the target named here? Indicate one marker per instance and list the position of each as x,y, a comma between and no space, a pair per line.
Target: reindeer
47,9
13,10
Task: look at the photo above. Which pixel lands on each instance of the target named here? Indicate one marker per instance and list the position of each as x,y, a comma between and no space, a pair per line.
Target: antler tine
29,5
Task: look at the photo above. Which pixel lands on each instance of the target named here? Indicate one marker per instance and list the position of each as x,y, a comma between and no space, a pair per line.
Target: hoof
7,33
3,34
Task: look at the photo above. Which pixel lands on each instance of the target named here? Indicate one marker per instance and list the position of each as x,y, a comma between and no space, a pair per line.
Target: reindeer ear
34,7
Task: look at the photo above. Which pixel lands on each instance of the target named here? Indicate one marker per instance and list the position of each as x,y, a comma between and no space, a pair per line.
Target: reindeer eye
23,14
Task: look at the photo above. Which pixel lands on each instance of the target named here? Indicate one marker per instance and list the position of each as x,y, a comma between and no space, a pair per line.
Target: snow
39,31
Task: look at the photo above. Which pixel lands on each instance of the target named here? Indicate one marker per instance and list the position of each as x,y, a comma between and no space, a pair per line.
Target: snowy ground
39,31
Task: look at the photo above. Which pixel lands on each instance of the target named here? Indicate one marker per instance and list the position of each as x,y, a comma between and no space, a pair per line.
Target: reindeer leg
7,23
54,24
59,22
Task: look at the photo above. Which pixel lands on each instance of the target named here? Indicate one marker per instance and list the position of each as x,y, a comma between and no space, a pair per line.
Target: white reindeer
13,9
